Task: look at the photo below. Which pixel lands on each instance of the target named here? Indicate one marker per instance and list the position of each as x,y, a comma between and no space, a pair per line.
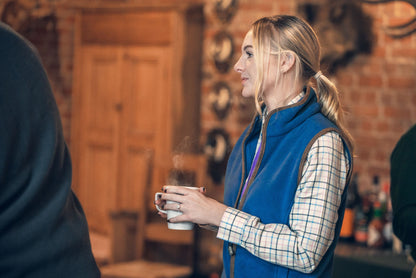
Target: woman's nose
238,66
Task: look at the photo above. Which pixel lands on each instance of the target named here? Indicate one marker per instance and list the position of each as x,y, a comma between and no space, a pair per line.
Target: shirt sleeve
301,244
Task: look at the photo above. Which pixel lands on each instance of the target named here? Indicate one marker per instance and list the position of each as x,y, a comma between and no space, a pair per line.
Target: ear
287,61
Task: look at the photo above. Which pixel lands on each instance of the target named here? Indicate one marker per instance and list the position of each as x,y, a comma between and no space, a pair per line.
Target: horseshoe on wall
402,30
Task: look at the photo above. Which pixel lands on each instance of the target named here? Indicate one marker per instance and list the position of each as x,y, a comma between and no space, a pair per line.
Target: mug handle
156,198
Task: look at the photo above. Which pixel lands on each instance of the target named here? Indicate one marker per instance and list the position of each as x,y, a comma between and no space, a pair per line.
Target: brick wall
378,90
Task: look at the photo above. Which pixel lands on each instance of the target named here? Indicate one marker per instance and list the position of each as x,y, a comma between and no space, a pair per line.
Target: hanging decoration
220,98
225,9
217,148
222,51
402,30
342,27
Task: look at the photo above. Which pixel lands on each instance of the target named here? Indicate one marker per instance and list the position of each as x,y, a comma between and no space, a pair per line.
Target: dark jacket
288,134
403,188
43,230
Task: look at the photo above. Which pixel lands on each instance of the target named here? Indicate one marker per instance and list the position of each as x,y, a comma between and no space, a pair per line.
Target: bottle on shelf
375,190
375,237
361,229
362,219
353,199
388,216
383,197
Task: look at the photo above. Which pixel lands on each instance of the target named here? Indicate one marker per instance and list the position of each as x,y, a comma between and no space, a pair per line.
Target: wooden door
97,108
121,121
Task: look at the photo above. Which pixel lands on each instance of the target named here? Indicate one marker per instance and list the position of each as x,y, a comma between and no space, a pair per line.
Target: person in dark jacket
403,190
286,178
43,229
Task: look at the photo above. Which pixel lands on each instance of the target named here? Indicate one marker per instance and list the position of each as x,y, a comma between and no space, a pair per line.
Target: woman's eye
249,54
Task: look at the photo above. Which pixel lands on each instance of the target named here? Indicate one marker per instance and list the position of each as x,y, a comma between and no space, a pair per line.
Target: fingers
164,205
172,197
179,218
181,194
160,203
182,190
185,197
174,206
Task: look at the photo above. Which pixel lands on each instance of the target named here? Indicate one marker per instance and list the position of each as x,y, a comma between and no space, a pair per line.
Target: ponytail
328,97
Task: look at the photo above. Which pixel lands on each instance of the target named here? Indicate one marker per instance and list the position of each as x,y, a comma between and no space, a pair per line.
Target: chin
247,93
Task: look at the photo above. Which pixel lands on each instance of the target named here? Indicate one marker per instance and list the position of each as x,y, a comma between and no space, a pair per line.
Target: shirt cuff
232,225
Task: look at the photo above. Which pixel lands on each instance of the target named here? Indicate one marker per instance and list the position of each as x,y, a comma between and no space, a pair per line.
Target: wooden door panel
137,167
98,188
102,88
98,144
145,91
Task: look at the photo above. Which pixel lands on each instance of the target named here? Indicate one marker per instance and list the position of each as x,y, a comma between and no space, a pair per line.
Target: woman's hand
161,202
194,205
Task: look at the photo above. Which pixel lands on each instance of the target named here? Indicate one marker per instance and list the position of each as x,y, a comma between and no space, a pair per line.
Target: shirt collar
293,101
297,98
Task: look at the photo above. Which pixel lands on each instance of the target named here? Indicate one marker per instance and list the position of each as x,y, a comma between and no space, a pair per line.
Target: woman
286,177
43,229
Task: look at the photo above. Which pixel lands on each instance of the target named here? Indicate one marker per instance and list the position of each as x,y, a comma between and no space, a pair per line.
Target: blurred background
148,96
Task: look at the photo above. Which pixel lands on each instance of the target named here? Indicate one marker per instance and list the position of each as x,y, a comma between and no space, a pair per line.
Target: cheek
273,69
251,67
271,76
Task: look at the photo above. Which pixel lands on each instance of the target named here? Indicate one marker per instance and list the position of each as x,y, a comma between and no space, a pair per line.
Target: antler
398,31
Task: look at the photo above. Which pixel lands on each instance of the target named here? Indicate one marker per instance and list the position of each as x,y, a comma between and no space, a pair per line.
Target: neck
283,92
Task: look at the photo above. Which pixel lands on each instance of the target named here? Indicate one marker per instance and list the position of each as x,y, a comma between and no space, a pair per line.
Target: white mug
174,213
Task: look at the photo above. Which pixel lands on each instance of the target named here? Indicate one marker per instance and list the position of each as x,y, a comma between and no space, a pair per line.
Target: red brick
363,153
408,53
261,6
404,97
382,126
370,97
401,82
345,79
381,156
367,110
391,112
367,125
356,96
370,80
285,8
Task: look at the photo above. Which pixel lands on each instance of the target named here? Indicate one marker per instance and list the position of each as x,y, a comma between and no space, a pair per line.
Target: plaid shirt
301,244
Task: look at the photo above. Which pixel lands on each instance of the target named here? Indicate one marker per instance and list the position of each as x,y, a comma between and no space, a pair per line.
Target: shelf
356,261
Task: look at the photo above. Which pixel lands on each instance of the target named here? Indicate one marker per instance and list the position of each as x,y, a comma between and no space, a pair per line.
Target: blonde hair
282,34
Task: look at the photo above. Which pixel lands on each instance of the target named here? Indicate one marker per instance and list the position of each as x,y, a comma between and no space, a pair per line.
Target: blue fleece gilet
288,134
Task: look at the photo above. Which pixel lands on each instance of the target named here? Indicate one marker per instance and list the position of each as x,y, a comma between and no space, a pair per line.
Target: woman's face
246,66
